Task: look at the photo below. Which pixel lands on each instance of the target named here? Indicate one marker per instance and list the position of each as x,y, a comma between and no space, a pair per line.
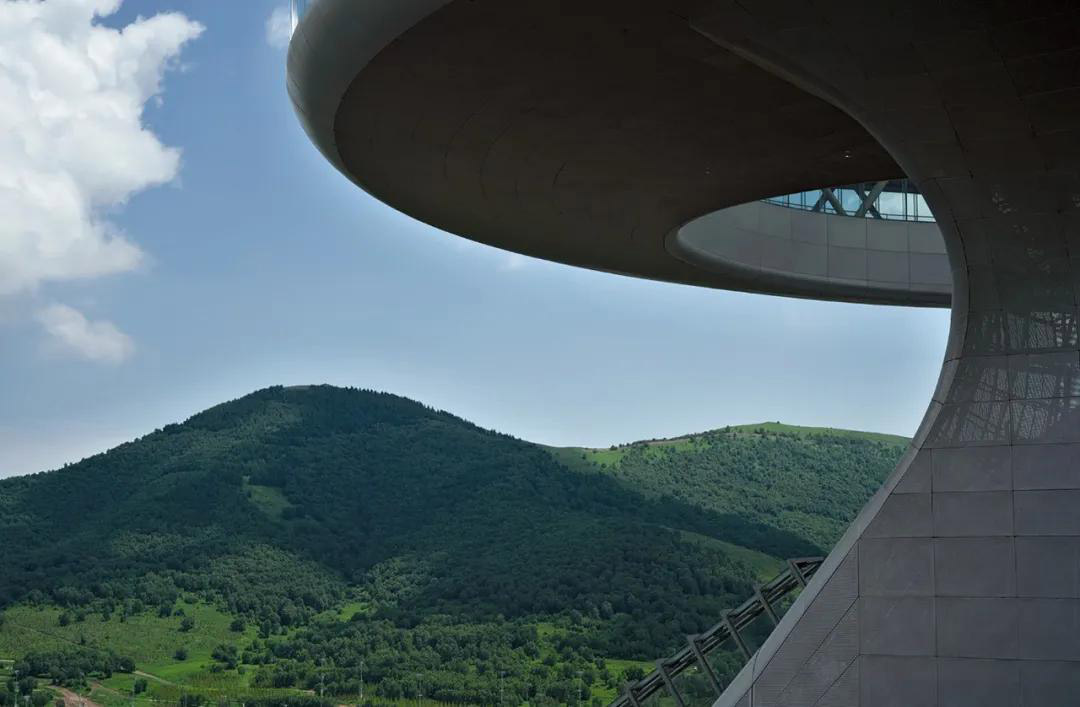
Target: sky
170,240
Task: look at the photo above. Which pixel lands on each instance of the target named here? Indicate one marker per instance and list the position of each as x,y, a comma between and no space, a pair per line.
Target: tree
140,686
187,624
181,654
237,626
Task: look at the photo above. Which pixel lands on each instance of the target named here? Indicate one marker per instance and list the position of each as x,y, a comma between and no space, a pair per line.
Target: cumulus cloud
279,27
72,143
98,341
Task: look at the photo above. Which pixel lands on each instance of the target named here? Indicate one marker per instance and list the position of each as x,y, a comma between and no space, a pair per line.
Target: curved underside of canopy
586,133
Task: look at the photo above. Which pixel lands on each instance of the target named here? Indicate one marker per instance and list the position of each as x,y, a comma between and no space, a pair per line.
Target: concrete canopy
585,132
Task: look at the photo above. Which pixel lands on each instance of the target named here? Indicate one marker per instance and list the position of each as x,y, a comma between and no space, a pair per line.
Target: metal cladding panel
973,514
906,515
1048,466
894,681
832,604
978,627
845,691
964,682
826,665
1048,567
1049,629
896,625
917,477
975,567
972,469
1049,683
896,567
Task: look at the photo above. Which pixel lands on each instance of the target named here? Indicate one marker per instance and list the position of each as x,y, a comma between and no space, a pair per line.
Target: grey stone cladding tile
964,682
809,229
1049,683
883,266
976,513
969,627
1047,512
972,469
1049,629
848,263
847,232
1046,466
892,681
902,515
896,567
896,625
917,477
975,567
1048,567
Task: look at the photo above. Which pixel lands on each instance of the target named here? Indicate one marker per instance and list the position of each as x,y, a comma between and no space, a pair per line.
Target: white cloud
279,27
98,341
72,142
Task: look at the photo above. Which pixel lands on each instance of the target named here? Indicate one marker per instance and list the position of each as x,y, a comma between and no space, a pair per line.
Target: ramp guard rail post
799,570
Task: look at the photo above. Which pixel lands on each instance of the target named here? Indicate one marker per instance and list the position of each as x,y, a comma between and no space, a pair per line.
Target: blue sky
259,264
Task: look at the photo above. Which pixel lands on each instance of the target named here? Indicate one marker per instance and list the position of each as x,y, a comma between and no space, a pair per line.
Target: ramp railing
765,602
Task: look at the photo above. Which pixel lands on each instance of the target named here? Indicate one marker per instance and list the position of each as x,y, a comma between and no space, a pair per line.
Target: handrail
799,570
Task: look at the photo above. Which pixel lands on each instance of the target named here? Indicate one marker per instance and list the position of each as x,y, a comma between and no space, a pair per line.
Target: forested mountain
345,536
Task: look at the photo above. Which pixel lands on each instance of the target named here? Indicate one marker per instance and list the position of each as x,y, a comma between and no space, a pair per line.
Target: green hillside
809,481
317,541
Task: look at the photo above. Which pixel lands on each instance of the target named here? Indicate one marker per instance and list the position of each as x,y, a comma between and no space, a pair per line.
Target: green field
152,640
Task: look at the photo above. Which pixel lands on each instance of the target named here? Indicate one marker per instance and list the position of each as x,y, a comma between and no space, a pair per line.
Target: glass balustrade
897,200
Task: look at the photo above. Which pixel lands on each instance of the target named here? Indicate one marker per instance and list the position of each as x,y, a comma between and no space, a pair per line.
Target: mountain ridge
328,522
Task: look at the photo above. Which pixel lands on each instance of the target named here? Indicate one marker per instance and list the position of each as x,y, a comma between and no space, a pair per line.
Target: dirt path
73,700
155,678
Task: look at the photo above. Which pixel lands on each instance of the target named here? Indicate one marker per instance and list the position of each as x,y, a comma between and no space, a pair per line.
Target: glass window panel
924,209
850,200
891,204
